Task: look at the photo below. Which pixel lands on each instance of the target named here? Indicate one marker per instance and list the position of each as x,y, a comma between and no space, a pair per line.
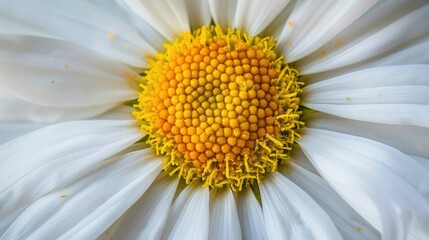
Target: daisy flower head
214,119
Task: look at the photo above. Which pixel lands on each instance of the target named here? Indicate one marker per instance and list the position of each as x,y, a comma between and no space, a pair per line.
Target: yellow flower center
221,106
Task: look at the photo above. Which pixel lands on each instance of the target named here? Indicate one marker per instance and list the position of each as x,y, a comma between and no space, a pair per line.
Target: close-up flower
214,119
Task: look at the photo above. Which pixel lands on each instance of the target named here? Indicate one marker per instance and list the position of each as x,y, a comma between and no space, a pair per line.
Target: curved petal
80,22
251,216
189,217
408,139
45,160
264,11
60,74
84,208
370,44
291,214
13,109
390,94
168,17
349,223
223,12
146,219
311,25
353,170
224,223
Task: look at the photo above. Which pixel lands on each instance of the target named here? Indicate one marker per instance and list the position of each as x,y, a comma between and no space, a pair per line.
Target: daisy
214,119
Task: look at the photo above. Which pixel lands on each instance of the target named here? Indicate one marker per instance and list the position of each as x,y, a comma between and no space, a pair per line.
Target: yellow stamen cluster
220,106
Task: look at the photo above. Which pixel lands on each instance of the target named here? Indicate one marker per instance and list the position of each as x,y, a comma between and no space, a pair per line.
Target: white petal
41,161
13,109
60,74
147,217
397,162
313,24
291,214
121,112
353,170
79,22
169,17
349,223
120,10
251,216
255,15
223,12
11,130
390,94
189,217
411,53
423,161
299,158
408,139
370,44
224,223
198,12
84,208
275,28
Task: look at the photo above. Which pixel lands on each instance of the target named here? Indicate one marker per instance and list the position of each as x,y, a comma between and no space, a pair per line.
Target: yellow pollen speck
290,23
358,229
111,36
337,42
66,65
323,52
64,196
221,106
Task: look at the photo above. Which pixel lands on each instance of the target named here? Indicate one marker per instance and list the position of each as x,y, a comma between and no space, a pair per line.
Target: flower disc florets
221,106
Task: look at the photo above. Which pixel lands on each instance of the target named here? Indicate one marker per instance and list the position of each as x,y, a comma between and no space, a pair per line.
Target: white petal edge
349,223
168,17
223,12
251,216
120,10
189,217
41,161
412,53
370,44
13,109
61,74
147,217
423,161
391,95
255,15
408,139
400,164
198,13
311,25
79,22
290,213
11,130
84,208
224,222
400,208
